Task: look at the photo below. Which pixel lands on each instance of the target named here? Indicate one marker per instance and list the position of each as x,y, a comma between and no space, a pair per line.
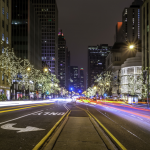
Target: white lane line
122,126
140,118
66,107
132,133
19,117
107,117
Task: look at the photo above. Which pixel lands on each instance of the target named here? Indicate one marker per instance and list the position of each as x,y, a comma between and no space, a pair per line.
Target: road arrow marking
27,129
50,113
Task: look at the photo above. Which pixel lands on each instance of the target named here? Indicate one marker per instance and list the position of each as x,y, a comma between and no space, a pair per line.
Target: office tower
86,81
68,70
74,78
48,14
62,59
5,21
131,18
82,80
26,32
96,61
5,32
119,33
145,34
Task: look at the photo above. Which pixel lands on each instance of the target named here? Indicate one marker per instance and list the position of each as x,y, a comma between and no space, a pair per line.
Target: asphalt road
22,127
126,123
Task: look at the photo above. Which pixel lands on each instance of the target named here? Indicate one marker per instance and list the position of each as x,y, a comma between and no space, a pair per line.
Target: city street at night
75,75
24,126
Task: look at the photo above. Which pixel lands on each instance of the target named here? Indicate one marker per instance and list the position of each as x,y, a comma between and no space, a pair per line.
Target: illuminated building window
2,49
2,77
7,15
3,37
3,10
7,40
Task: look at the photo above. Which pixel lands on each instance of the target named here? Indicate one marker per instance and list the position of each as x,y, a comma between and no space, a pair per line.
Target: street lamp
45,70
131,46
28,69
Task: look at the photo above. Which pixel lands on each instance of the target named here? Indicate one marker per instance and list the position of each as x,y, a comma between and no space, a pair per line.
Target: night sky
89,22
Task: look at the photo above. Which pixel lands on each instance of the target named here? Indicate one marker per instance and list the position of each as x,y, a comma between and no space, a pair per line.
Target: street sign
9,126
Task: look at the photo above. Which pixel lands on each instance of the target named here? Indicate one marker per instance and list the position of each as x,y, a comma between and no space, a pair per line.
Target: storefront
6,91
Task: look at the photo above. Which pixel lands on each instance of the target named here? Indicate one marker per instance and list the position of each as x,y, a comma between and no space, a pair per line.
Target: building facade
62,60
26,32
26,39
145,34
48,14
119,33
96,61
74,78
5,32
131,69
117,56
68,70
82,87
131,19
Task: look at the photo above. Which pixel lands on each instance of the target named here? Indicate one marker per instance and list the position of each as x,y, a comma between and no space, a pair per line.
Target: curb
51,143
103,135
50,132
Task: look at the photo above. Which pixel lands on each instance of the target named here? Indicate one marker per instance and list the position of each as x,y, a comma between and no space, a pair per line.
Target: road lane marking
120,126
51,131
20,130
24,108
18,117
104,128
50,113
66,107
21,106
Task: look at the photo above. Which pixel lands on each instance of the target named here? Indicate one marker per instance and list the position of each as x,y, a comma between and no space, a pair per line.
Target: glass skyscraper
48,14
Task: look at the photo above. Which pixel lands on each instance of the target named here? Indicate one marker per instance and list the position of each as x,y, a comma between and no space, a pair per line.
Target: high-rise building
48,14
26,32
5,21
74,78
119,33
96,61
5,32
82,80
68,70
145,34
131,18
62,59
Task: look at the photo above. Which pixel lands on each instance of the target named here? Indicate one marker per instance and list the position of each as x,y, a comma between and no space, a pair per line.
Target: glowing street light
28,69
45,70
94,87
131,46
